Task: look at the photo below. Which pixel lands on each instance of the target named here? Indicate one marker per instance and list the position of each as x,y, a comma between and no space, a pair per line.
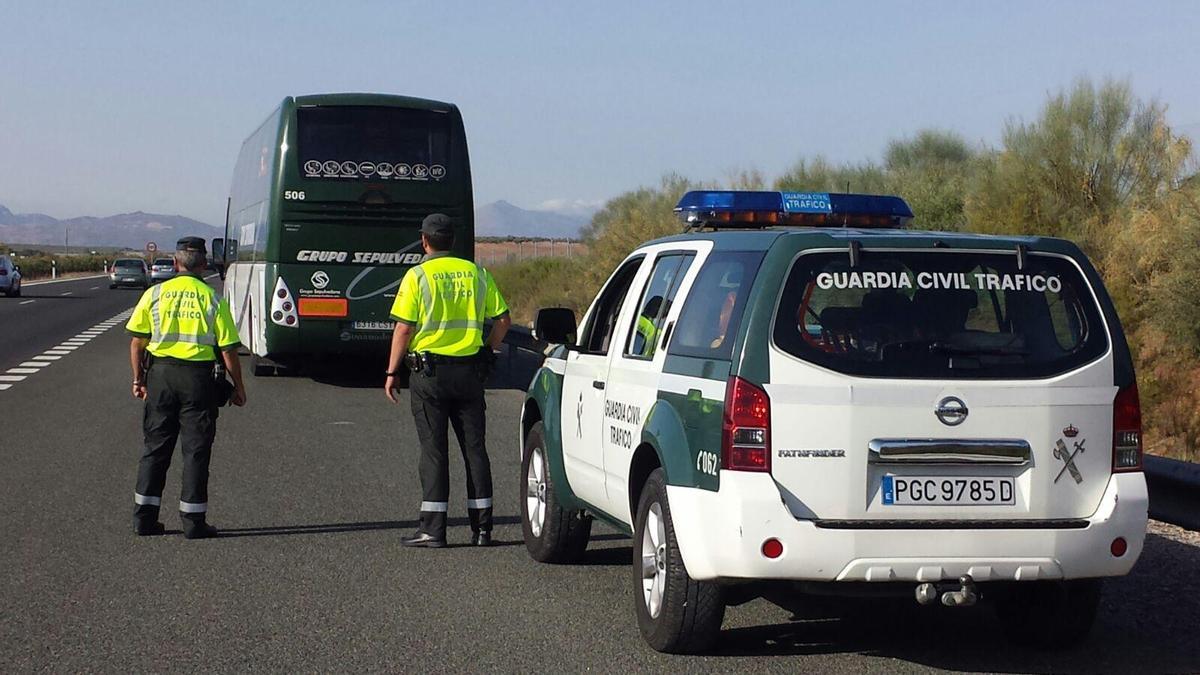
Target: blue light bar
745,208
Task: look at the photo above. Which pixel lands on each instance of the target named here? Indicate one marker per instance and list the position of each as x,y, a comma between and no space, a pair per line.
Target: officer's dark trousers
452,395
181,404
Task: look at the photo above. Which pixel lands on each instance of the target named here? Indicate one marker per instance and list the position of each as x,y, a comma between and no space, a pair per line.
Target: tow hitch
965,596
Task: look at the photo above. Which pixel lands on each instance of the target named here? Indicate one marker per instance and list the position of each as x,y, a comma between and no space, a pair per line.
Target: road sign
151,246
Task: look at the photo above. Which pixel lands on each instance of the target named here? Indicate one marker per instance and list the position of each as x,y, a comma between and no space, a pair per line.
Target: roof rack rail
754,209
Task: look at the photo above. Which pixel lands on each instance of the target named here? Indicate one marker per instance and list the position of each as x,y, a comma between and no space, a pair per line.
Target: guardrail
1174,485
1174,491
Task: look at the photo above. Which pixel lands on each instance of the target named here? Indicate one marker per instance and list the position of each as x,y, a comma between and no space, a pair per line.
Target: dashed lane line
26,302
67,293
47,358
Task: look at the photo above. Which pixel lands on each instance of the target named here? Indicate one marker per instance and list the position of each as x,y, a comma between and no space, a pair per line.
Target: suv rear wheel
552,534
676,614
1049,614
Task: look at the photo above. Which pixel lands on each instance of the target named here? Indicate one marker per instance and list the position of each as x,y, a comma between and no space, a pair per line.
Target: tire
112,287
686,619
552,534
1049,614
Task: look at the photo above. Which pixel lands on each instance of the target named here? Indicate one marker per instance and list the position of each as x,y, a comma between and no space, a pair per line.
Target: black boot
481,539
145,521
195,527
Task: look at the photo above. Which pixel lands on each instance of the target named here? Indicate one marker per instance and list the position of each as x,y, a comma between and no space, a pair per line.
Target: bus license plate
374,325
948,491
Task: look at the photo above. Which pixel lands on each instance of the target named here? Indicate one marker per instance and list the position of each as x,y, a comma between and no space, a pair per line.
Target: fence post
53,269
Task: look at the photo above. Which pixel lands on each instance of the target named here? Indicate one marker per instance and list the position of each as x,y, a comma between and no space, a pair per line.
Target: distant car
162,269
129,272
10,277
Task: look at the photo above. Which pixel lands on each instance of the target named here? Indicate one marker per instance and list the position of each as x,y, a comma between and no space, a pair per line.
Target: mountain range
133,230
502,219
129,230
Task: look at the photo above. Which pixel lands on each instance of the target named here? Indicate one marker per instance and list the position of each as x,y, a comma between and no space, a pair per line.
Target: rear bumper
721,533
127,281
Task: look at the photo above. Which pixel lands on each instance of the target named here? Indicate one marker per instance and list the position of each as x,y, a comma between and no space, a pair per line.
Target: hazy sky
108,107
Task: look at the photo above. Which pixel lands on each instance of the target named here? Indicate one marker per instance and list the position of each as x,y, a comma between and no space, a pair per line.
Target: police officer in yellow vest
439,310
183,325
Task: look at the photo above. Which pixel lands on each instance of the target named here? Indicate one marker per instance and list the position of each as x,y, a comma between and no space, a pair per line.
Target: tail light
3,272
746,428
283,306
1127,430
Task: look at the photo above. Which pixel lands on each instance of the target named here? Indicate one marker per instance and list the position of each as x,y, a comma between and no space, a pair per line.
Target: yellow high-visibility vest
447,300
184,319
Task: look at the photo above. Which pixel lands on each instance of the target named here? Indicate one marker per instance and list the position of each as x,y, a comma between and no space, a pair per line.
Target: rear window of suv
939,315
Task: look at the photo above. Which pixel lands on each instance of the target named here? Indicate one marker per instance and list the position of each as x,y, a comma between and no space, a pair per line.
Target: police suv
800,395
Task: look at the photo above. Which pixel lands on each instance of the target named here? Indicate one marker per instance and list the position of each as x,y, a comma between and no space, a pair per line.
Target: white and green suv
801,394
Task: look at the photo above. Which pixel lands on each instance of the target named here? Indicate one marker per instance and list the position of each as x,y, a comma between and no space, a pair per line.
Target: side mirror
555,325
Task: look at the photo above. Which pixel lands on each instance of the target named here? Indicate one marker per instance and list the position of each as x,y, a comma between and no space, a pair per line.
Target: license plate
374,325
948,491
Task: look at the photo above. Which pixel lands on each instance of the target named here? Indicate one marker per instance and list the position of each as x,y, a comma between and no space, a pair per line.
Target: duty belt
172,361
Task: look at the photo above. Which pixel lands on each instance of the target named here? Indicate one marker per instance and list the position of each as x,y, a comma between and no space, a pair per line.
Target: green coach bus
323,216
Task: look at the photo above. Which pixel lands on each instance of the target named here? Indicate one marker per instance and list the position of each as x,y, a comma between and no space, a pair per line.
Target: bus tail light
746,428
283,306
325,307
1127,430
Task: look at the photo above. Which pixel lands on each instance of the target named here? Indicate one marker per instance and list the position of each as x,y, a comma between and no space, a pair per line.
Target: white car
802,395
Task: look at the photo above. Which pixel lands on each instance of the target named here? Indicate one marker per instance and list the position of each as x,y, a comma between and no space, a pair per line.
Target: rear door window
712,312
939,315
655,303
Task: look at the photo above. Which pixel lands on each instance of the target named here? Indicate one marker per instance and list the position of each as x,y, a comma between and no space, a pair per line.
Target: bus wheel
262,367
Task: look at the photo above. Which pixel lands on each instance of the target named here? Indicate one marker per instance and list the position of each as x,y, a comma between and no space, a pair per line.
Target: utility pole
66,238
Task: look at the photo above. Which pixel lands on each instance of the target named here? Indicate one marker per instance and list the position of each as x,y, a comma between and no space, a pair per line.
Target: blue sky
117,106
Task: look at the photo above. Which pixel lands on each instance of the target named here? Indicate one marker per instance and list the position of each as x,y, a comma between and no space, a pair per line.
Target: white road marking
21,371
58,352
93,288
66,347
26,302
67,293
5,386
11,378
44,357
34,364
63,281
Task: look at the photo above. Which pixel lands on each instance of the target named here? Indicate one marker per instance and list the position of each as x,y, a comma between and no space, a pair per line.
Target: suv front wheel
676,614
552,534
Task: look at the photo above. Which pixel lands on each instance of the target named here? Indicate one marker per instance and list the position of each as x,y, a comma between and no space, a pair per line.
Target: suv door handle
597,384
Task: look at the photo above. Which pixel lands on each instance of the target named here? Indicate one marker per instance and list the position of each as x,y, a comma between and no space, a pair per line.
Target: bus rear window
376,143
939,315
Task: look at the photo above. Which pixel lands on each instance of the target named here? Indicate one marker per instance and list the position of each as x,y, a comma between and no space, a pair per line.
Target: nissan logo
951,411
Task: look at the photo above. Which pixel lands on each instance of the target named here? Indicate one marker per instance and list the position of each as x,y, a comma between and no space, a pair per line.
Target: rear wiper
964,350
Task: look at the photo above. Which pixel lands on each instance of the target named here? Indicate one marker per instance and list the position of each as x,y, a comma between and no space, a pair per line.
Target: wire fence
492,253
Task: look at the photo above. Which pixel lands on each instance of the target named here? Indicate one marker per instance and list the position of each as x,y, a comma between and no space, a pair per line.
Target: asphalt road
314,483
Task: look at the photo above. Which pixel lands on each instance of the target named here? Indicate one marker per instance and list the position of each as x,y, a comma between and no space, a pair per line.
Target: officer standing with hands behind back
439,310
183,324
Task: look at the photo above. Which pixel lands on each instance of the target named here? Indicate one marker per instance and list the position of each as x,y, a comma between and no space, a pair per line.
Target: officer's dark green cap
191,244
437,225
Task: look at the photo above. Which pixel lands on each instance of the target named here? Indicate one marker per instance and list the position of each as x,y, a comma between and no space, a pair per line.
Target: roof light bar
756,209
